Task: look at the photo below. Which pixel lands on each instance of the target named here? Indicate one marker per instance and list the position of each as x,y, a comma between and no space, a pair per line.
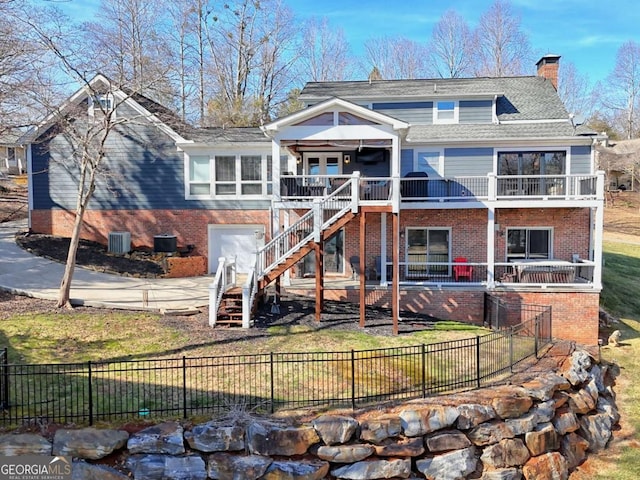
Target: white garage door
234,240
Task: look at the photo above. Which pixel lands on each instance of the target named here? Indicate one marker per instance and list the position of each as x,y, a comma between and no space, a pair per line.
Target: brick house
422,195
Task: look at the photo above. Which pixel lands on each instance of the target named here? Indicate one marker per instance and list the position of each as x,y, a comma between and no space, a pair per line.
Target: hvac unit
119,242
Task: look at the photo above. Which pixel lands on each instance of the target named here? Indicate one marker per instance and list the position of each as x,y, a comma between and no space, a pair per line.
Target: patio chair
462,271
354,261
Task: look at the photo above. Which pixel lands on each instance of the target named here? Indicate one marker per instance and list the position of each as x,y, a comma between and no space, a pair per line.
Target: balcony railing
550,272
415,188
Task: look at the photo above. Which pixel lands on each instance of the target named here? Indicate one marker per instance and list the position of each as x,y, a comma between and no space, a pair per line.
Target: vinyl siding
412,112
143,170
581,160
464,162
406,161
475,111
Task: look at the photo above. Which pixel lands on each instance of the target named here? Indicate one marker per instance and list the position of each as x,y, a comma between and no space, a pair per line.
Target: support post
361,268
317,247
395,283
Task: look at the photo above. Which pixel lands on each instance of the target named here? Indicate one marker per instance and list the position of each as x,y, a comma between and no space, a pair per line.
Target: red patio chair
462,271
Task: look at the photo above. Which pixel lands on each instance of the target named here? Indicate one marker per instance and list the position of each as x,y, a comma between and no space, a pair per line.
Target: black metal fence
183,387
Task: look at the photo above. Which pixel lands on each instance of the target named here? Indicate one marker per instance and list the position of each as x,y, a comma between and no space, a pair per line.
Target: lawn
621,297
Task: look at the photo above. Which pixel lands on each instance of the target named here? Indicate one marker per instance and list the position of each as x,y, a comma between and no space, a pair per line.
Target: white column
491,247
598,228
383,249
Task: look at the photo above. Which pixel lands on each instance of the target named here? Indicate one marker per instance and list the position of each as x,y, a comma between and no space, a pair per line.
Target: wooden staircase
326,218
291,260
230,310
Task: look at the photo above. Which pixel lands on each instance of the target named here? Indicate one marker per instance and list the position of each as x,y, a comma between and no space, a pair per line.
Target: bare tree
501,45
396,58
324,52
80,128
623,92
574,90
277,58
127,43
450,48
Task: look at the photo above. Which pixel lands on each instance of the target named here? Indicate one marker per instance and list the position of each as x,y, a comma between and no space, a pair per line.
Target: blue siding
581,160
406,161
143,171
412,112
475,111
460,162
401,105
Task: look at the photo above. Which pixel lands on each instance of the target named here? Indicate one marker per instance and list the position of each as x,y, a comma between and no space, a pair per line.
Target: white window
224,175
445,111
200,175
529,243
426,246
102,103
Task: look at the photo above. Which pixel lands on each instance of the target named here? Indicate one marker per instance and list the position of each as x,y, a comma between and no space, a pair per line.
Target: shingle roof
480,132
520,98
227,135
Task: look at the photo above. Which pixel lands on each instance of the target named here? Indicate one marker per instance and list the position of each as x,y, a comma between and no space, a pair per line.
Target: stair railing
324,213
249,292
224,279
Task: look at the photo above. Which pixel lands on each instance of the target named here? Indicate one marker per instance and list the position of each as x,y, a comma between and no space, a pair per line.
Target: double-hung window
529,244
445,111
228,175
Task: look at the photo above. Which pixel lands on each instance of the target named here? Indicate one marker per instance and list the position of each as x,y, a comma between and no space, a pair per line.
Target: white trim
551,231
439,151
533,149
334,105
427,228
446,121
264,181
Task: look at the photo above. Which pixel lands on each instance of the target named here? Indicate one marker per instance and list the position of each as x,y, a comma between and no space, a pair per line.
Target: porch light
347,159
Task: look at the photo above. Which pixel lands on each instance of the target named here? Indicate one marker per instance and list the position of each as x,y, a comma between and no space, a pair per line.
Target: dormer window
101,103
445,111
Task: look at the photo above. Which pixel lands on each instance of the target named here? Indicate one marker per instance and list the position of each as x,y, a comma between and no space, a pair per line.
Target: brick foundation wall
575,314
189,226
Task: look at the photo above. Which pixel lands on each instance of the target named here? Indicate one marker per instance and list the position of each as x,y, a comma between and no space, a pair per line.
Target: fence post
353,379
424,371
536,335
184,386
272,382
90,395
511,349
5,379
478,360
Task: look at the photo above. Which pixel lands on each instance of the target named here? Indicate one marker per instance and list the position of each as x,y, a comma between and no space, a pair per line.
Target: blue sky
587,33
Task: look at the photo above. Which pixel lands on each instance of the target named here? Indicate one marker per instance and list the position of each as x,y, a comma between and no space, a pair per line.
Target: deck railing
447,189
552,272
224,279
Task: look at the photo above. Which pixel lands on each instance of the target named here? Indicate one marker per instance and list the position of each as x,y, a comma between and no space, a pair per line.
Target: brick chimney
548,68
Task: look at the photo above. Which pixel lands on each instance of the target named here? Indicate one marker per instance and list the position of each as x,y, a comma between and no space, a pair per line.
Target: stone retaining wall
540,426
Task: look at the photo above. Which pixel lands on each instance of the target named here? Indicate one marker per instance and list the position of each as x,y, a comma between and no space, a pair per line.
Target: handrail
305,228
224,279
249,292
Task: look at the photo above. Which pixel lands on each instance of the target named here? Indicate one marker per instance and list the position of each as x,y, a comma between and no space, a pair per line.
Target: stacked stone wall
541,425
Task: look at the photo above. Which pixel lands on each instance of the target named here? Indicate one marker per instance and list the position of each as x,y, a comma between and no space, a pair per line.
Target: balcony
418,188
